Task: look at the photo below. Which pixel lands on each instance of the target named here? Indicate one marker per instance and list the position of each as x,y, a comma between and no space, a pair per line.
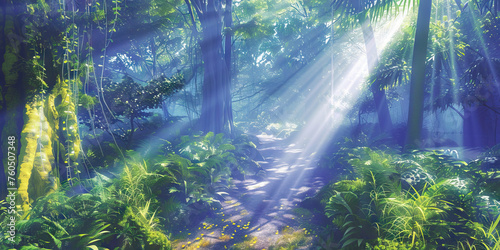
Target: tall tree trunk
417,79
12,92
380,100
216,106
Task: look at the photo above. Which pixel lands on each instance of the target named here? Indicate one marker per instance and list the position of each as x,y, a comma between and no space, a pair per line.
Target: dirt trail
258,213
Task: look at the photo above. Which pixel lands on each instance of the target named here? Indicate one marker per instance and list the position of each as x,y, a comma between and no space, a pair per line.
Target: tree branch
248,97
193,27
486,105
458,112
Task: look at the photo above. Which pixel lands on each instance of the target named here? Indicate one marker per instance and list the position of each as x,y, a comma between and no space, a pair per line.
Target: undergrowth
416,200
175,186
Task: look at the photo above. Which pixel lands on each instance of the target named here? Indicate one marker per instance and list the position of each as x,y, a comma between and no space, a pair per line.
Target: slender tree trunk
380,100
228,23
154,73
417,79
131,135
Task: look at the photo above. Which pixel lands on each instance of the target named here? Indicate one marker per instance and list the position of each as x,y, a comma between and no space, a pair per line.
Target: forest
250,124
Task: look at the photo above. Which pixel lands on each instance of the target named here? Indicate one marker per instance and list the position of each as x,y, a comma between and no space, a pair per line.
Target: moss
291,239
65,119
390,245
27,155
35,177
247,244
10,57
157,240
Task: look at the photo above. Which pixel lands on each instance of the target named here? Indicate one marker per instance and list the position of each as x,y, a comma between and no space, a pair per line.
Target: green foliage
435,162
135,184
201,167
128,102
375,167
392,245
206,147
87,101
120,213
174,182
350,185
57,222
482,236
448,209
181,181
416,216
349,215
394,68
163,8
355,186
131,99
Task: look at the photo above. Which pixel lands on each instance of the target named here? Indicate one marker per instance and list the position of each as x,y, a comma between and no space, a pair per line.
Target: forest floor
262,212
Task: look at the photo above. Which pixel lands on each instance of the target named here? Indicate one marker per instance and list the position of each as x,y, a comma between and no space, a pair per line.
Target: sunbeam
297,162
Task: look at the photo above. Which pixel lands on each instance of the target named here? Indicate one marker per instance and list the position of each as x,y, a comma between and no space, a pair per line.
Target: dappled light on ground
260,212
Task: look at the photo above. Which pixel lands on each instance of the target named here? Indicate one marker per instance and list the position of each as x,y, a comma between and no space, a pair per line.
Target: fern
416,216
375,168
346,209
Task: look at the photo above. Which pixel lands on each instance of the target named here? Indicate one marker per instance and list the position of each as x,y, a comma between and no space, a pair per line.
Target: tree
130,100
379,96
363,12
417,78
216,110
38,106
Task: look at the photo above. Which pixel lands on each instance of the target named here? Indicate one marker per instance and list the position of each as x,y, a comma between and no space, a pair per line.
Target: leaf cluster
130,99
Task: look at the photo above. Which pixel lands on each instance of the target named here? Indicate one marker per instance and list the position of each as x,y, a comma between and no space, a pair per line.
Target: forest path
261,213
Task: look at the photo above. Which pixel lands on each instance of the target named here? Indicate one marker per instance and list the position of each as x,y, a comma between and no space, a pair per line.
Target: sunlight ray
320,124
